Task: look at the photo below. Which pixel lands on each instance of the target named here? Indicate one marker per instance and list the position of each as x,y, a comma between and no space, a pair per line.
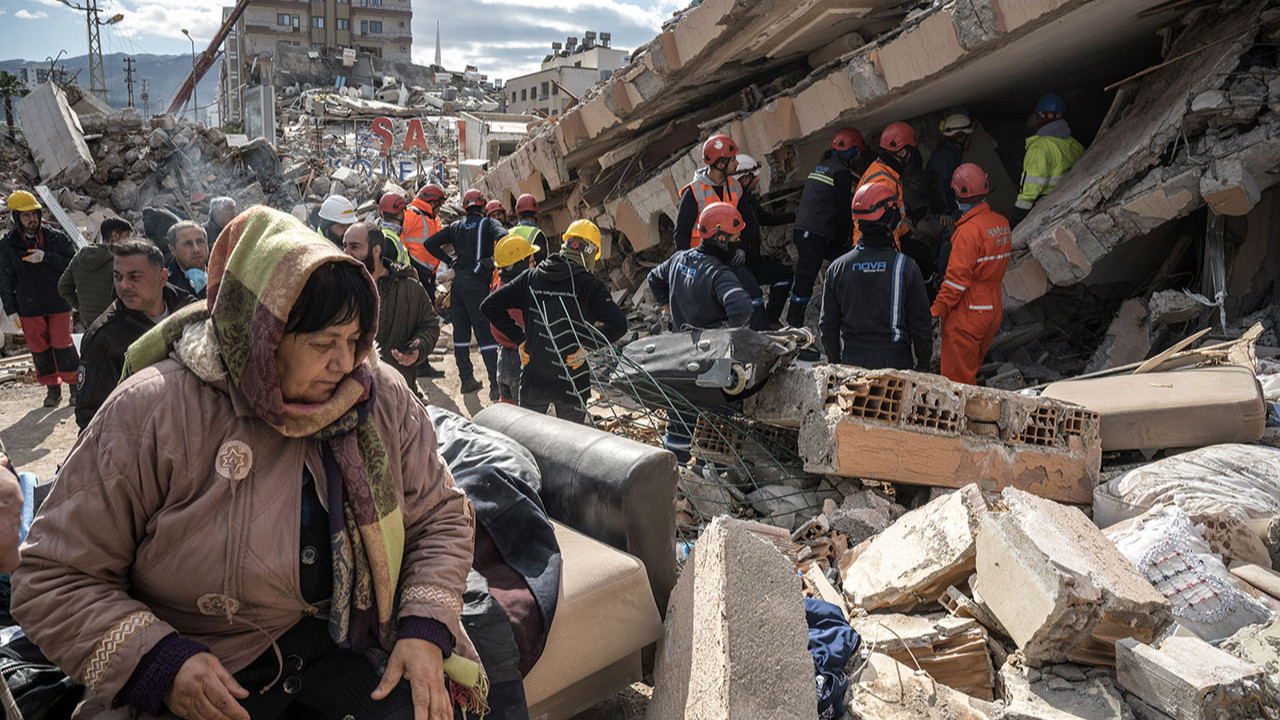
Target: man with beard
407,324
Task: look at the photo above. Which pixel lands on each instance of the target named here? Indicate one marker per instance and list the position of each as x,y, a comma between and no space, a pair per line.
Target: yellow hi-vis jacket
1046,161
402,253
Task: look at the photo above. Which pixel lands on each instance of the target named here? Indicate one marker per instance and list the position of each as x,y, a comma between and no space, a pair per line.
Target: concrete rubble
1189,679
952,651
1059,587
1047,695
887,689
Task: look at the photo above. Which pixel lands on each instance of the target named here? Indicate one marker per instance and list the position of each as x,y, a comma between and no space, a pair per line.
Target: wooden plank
1177,347
1189,679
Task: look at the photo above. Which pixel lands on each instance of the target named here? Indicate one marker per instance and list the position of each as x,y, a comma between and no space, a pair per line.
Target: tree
10,86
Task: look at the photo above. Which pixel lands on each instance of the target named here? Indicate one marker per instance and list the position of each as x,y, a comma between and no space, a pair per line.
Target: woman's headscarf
257,270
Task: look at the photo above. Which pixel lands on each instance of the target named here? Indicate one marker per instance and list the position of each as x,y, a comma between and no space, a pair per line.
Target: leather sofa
612,502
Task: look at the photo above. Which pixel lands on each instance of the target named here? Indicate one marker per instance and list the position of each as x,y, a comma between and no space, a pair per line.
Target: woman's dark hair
336,293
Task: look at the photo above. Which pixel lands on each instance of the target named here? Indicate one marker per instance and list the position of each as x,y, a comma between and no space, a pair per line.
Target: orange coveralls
969,301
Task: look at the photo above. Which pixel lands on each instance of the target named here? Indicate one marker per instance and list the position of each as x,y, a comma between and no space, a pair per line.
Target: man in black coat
561,301
143,299
32,259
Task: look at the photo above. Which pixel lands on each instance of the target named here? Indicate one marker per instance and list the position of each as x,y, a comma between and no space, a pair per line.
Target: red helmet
720,217
431,192
494,206
718,147
969,181
392,203
472,199
846,138
872,201
897,136
526,203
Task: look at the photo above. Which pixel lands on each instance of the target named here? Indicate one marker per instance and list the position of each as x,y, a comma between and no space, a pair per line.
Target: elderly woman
257,522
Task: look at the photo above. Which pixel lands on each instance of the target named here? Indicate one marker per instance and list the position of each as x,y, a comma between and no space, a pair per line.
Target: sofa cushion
605,612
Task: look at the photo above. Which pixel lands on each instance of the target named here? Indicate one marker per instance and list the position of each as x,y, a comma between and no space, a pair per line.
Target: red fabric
511,591
50,332
969,301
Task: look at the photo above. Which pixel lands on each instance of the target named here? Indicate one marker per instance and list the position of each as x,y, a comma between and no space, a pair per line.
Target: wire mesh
738,466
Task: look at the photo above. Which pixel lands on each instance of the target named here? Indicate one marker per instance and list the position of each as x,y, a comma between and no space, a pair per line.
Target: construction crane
206,58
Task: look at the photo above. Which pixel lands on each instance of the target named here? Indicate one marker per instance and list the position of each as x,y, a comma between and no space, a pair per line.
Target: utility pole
129,65
97,81
146,100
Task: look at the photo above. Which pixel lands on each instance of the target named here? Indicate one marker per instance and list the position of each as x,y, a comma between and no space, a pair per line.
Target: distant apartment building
381,28
568,72
33,75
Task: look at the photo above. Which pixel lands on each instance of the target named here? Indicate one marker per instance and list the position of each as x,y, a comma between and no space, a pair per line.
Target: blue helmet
1051,103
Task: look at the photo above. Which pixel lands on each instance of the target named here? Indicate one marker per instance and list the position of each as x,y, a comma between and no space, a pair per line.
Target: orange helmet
391,203
431,192
526,203
969,182
720,217
897,136
873,200
494,206
472,199
846,138
718,147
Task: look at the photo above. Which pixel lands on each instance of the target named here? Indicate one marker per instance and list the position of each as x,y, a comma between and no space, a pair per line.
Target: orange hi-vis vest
706,194
418,226
878,172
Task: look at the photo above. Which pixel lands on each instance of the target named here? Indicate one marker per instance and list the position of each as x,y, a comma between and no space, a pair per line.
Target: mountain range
163,73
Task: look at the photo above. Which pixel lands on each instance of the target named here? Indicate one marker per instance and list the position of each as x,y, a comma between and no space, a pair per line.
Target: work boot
425,370
471,385
72,400
494,395
53,396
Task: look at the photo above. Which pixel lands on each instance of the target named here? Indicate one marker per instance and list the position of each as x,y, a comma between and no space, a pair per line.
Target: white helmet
746,165
338,209
958,123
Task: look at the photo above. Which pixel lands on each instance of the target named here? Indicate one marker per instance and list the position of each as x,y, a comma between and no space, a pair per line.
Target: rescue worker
714,183
969,302
513,255
1050,154
898,156
33,257
391,207
496,210
875,309
561,303
699,289
527,226
948,156
421,221
768,271
823,225
472,239
336,215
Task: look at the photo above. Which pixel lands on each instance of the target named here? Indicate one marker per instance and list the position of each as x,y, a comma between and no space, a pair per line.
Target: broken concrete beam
1126,341
1036,696
1168,307
53,133
1229,188
951,650
913,428
916,558
1189,679
1258,644
1059,587
889,690
735,641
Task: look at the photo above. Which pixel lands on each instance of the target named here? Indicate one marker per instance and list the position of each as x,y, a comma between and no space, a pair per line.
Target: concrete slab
55,137
1189,679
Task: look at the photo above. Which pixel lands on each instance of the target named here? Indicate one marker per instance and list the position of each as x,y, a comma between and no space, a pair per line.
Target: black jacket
702,291
687,213
825,201
937,178
754,216
212,230
874,300
31,289
178,279
557,296
103,346
472,239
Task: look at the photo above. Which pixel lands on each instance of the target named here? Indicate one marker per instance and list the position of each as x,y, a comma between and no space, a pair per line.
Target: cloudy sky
504,38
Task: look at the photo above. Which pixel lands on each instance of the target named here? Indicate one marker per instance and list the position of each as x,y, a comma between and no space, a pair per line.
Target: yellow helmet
23,201
586,230
512,249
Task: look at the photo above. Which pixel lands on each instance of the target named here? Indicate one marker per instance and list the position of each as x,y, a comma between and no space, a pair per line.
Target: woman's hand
419,662
204,690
